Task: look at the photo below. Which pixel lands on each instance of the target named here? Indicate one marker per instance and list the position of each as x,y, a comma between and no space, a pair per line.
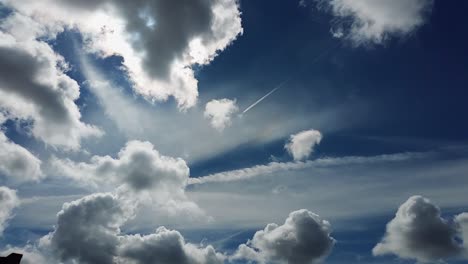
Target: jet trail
316,59
261,99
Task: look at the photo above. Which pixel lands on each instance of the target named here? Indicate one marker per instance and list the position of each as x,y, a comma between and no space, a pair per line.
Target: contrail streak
316,59
261,99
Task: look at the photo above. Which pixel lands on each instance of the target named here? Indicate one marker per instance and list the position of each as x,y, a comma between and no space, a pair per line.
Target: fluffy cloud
138,166
8,201
17,164
374,21
138,171
302,144
166,246
35,88
418,232
88,231
303,238
159,41
220,112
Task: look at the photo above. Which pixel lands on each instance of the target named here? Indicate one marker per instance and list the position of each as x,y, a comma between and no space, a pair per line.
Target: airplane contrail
263,97
316,59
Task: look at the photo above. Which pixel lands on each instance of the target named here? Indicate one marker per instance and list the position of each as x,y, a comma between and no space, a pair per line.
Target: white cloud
139,171
8,201
302,144
88,231
35,88
462,221
165,246
374,21
159,40
419,232
273,167
17,164
220,112
303,238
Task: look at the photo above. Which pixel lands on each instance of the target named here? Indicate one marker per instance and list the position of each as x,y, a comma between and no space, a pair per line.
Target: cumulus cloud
88,231
374,21
166,246
302,144
17,164
220,112
138,171
35,88
159,41
8,201
419,232
303,238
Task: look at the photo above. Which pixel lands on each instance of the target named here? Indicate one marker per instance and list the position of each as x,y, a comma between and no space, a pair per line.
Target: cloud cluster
302,144
139,171
160,41
34,87
419,232
88,231
220,112
374,21
303,238
8,201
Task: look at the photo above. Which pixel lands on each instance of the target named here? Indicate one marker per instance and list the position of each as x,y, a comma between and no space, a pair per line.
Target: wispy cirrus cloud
375,21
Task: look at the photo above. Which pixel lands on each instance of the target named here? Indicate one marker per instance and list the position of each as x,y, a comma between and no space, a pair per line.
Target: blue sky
118,118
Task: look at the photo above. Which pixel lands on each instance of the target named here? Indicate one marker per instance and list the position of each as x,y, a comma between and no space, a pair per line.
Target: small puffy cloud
220,112
419,232
35,88
88,232
160,41
166,246
17,164
374,21
8,201
303,238
302,144
140,172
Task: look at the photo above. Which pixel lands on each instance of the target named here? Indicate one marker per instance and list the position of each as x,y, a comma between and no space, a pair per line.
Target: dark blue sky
392,116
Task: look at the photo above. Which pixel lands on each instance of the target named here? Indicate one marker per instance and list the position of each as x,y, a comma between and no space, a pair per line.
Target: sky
234,131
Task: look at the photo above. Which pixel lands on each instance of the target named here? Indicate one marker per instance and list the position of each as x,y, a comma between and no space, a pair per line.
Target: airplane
13,258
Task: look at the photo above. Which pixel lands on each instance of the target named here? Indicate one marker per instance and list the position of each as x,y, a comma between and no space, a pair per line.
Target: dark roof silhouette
13,258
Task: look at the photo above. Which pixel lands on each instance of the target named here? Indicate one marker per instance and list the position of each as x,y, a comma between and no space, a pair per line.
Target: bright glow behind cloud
157,56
